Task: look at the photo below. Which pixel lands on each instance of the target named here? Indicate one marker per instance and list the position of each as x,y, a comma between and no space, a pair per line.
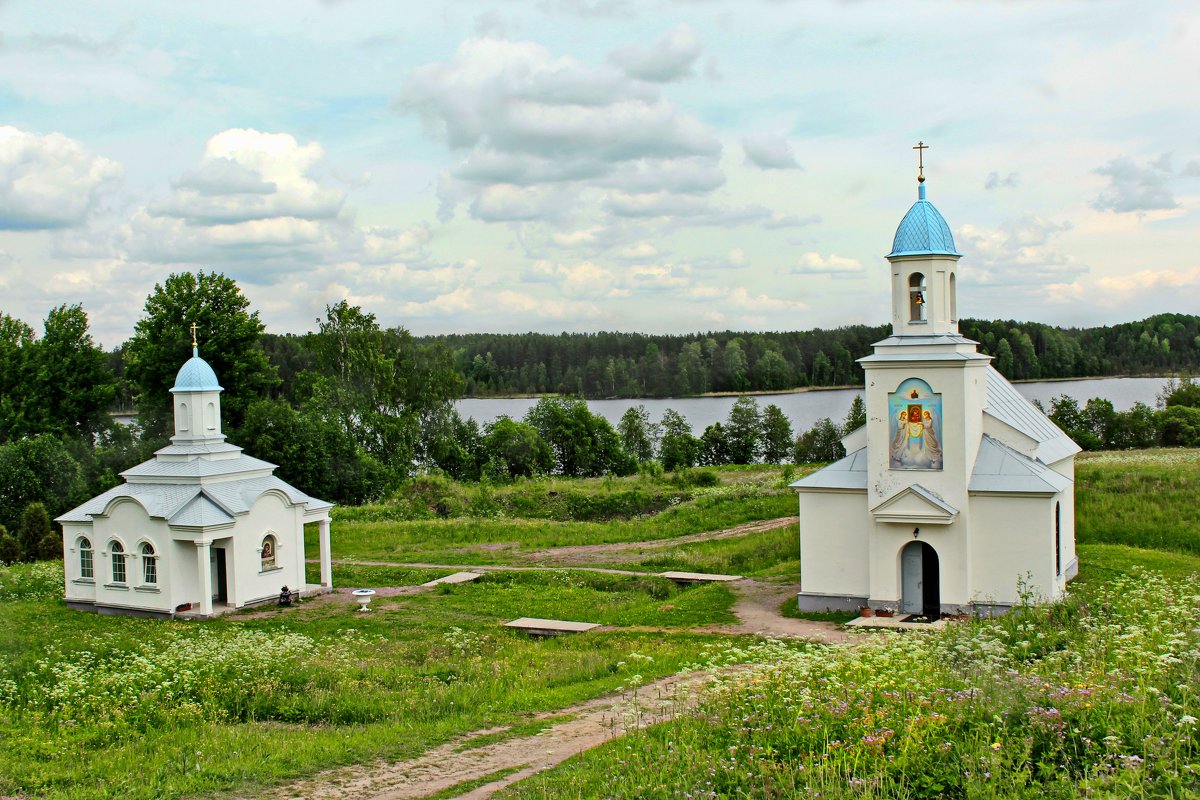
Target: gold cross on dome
193,334
921,148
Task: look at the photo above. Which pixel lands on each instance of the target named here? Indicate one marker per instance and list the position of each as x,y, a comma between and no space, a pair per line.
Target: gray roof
194,468
1006,404
195,505
847,473
999,468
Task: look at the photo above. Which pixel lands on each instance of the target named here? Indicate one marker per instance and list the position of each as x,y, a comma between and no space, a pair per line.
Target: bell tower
923,262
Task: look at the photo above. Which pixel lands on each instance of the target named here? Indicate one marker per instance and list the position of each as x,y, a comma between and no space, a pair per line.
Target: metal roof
197,467
999,468
196,376
923,231
1009,406
846,473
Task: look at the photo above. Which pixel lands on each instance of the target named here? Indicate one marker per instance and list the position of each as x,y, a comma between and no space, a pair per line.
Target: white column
326,558
203,556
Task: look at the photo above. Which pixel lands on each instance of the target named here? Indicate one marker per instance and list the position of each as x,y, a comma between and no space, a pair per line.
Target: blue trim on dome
196,376
923,231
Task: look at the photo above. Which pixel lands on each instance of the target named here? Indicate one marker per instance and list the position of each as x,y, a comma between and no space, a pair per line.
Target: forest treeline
351,411
601,365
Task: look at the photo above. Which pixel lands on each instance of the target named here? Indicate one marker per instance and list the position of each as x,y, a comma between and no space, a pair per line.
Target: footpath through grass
1096,696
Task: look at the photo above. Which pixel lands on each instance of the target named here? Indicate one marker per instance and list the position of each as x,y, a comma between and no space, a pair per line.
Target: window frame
149,564
117,555
87,559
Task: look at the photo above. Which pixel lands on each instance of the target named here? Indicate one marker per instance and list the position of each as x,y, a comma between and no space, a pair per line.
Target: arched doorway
920,584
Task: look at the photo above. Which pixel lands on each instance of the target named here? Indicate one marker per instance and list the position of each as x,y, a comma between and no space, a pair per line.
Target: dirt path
622,551
593,723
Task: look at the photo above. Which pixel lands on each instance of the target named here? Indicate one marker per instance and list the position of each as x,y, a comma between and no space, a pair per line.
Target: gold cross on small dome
194,343
921,148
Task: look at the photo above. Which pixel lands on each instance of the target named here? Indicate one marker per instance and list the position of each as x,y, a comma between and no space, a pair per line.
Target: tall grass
1139,498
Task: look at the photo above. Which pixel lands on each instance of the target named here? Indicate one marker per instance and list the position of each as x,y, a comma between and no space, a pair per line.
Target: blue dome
923,231
196,376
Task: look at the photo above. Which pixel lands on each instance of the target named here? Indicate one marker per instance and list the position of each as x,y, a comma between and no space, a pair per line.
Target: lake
805,408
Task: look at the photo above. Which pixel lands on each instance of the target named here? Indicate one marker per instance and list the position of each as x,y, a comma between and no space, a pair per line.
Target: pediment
915,504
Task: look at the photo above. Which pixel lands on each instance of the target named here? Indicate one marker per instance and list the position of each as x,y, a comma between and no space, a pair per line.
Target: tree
514,449
678,449
776,435
228,335
16,346
72,385
584,444
774,372
1184,391
822,442
313,454
856,417
743,431
1180,426
638,433
10,550
379,386
714,446
452,444
39,469
1004,358
32,533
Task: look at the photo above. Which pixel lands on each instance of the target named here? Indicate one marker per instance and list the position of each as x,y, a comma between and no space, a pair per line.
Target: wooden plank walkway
458,577
699,577
549,627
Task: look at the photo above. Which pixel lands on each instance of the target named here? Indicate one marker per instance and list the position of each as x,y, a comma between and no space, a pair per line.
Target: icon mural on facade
915,414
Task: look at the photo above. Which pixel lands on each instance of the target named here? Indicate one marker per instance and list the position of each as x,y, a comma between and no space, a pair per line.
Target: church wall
1014,542
962,391
950,542
833,555
184,574
129,523
78,589
270,514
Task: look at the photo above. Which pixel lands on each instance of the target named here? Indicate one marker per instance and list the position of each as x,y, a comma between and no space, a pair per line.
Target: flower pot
882,613
866,612
363,598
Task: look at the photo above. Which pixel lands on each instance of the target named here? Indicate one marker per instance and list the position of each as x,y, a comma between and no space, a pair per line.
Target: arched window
953,298
149,564
210,416
86,569
118,561
916,297
183,417
269,546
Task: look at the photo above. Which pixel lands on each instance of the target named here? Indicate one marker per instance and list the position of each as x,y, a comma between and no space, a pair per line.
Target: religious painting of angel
915,412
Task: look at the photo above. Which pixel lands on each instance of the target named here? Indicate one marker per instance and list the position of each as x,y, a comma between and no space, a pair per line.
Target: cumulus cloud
546,137
769,151
816,264
248,175
49,181
779,220
670,58
1135,188
1019,253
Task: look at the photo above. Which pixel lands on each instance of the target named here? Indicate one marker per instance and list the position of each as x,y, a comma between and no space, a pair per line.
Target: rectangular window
118,567
85,562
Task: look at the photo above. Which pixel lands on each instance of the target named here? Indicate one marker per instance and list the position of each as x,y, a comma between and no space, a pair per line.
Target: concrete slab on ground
698,577
458,577
896,623
549,627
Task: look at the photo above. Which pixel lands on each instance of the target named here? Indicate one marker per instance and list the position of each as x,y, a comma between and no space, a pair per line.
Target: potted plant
886,611
865,611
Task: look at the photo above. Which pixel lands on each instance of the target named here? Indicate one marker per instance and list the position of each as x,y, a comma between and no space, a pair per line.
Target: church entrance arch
920,580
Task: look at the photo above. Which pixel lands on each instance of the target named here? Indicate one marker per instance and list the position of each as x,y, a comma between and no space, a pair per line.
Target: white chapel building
199,525
958,493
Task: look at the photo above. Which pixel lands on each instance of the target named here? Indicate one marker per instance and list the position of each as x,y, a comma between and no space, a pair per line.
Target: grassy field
1096,695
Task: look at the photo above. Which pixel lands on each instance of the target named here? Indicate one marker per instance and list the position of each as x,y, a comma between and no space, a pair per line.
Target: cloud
48,182
248,175
995,181
1020,253
769,151
670,58
1134,188
779,220
546,137
816,264
588,9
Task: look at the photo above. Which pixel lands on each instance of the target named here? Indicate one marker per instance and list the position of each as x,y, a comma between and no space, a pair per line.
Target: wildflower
996,745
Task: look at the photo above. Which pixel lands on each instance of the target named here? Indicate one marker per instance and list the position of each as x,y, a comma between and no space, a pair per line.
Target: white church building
958,493
201,526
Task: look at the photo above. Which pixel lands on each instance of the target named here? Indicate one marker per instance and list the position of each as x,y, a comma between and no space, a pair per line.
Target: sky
586,165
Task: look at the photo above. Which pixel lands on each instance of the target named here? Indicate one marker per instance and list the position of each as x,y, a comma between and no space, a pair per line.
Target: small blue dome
923,231
196,376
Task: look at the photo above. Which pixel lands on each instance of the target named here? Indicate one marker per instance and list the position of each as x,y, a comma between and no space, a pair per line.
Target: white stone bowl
363,598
